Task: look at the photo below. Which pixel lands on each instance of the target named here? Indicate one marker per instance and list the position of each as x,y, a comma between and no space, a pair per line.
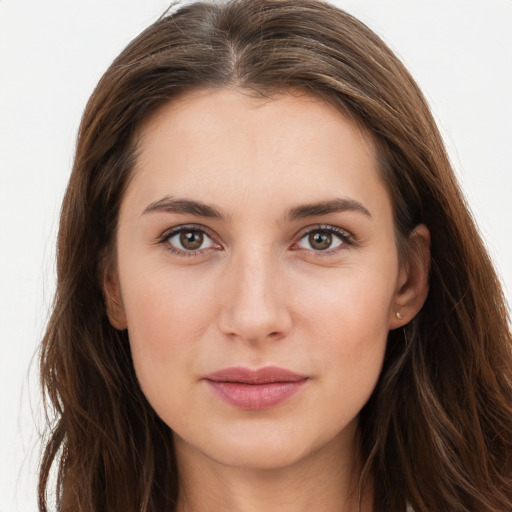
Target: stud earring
398,315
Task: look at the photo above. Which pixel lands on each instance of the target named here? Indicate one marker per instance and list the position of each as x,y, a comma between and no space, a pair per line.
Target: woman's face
257,275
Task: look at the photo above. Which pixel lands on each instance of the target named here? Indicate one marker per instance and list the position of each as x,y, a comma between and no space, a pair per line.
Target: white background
53,52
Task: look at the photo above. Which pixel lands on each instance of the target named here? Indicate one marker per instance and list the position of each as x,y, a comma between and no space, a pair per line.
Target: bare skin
257,233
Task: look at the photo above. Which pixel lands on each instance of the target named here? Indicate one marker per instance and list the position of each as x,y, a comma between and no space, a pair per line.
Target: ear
113,301
413,278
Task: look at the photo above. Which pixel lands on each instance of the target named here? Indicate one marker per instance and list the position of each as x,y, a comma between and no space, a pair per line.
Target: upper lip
265,375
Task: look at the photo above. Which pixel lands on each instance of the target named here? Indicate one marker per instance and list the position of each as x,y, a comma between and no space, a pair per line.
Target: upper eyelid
349,241
168,233
324,227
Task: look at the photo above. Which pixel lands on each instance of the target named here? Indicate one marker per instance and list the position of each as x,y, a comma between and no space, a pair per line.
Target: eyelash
164,240
347,239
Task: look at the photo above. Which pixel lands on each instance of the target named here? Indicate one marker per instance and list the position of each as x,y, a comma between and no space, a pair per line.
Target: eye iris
320,241
191,240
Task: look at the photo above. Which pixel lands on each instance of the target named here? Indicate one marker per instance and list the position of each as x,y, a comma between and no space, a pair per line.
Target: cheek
351,304
347,321
166,316
158,302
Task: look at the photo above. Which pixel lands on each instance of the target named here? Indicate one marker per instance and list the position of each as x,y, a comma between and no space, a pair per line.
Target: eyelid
164,238
347,238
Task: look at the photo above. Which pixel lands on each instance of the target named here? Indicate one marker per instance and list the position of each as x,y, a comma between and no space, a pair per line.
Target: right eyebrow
176,205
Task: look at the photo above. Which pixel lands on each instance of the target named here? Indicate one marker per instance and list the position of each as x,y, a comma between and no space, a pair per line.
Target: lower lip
255,396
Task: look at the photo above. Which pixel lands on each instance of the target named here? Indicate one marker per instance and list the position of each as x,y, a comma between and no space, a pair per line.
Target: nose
255,305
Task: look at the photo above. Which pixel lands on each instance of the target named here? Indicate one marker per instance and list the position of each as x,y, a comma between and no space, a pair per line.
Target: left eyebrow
337,205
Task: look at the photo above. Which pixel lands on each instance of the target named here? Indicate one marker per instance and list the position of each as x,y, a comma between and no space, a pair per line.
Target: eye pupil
191,240
320,241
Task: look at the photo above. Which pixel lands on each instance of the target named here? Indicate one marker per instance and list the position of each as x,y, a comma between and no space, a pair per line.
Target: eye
188,240
326,239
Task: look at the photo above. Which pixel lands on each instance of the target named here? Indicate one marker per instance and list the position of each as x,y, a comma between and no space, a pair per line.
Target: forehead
204,111
213,144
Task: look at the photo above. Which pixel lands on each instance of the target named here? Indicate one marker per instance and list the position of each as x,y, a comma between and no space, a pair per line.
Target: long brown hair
437,431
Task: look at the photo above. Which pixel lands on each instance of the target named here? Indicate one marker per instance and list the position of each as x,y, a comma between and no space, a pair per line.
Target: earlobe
413,280
113,301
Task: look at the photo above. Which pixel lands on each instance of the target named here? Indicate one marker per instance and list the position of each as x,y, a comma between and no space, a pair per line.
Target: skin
261,291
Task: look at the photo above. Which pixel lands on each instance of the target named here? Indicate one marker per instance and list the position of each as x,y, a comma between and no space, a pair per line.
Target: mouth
259,389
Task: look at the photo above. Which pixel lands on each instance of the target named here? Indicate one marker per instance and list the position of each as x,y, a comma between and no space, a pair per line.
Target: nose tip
255,325
253,314
256,307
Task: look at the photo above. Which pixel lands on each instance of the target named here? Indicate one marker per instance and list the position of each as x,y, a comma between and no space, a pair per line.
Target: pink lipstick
255,389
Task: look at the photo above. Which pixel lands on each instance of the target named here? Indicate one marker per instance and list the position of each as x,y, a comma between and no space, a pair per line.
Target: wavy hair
436,433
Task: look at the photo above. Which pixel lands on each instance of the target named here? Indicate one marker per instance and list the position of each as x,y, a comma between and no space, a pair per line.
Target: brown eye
191,240
325,239
188,241
320,240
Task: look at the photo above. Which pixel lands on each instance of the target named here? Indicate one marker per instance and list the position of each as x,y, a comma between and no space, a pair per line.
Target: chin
275,454
265,446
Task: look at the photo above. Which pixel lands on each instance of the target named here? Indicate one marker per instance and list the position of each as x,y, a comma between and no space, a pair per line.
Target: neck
325,481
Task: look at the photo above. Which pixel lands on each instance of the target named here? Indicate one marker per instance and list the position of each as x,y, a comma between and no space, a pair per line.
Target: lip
258,389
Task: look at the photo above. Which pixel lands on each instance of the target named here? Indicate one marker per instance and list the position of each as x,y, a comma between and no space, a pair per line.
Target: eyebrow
171,205
338,205
199,209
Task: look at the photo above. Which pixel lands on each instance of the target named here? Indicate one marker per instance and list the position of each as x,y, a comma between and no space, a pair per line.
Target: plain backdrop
53,52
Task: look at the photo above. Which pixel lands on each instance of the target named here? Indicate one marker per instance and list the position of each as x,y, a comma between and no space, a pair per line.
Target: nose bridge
256,307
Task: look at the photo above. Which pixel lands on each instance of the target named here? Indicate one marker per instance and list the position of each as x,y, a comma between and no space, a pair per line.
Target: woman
271,295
